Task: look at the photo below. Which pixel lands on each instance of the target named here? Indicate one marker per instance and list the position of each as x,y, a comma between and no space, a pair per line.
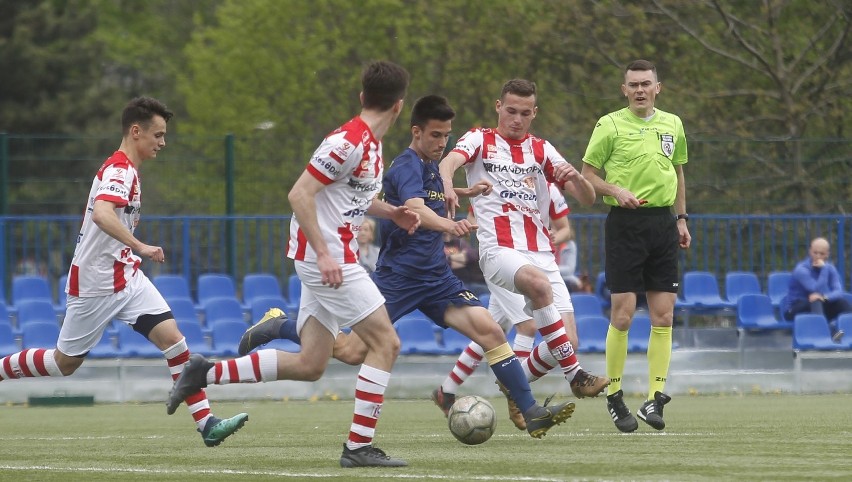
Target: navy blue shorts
432,297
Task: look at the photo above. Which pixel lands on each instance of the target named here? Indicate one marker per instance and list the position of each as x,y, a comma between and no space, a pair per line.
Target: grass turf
751,437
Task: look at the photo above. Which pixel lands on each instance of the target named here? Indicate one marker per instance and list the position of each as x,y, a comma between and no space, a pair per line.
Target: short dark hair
431,107
383,84
641,65
519,87
142,110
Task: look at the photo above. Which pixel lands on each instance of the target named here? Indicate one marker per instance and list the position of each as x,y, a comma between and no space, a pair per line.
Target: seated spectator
815,287
368,252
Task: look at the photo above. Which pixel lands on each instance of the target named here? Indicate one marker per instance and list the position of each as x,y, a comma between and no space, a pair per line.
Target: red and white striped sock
34,362
199,407
259,366
552,329
539,363
369,396
465,365
522,346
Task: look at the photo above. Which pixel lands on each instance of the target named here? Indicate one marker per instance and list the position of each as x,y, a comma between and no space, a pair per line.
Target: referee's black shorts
641,250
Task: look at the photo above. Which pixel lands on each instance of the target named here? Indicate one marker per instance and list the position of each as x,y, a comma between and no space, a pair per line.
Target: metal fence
238,245
250,175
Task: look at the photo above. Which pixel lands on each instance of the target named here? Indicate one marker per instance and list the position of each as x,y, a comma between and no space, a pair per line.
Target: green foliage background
762,86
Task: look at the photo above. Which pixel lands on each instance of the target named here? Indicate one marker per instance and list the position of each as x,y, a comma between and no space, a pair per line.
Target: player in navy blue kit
413,273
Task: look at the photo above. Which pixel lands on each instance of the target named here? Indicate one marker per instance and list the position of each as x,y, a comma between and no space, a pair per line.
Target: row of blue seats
210,285
220,340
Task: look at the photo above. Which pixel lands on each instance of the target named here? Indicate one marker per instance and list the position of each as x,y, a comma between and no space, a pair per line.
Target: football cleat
585,384
444,401
619,412
540,419
652,410
192,379
262,332
515,414
217,430
368,456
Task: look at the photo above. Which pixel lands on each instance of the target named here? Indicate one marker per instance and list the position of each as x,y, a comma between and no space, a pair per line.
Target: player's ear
361,98
415,131
659,87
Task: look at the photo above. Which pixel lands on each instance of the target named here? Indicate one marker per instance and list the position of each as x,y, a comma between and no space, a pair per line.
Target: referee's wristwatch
685,217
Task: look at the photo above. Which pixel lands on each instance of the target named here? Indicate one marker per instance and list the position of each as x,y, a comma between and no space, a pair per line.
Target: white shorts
499,266
337,308
87,318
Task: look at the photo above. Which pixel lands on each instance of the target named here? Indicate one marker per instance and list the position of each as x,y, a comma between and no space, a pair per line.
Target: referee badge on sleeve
667,144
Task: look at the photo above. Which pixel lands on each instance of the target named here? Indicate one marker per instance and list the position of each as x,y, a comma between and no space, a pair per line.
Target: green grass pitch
749,437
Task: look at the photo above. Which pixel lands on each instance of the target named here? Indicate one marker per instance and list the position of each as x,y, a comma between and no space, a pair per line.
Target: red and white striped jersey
103,265
517,212
349,163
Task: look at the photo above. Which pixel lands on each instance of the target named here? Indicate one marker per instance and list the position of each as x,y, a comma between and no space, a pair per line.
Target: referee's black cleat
652,410
621,416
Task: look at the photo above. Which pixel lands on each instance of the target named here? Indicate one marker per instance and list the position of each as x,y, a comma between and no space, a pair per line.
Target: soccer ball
472,420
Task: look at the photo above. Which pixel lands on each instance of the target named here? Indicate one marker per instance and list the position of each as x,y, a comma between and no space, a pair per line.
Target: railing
244,244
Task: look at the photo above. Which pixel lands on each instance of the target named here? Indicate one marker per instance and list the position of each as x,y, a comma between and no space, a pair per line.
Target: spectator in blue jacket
815,287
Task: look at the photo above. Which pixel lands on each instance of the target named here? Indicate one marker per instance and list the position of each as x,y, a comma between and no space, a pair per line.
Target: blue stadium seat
755,312
640,332
701,293
30,311
61,295
132,344
226,335
172,286
39,334
417,337
216,309
601,291
5,318
586,305
8,341
453,341
183,309
810,332
294,293
260,305
256,285
844,322
196,340
26,287
107,346
592,332
777,286
738,283
215,285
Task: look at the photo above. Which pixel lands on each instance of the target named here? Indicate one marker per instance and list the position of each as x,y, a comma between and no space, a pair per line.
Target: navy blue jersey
420,255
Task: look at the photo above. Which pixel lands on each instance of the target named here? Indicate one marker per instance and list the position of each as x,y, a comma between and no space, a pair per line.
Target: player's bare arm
684,238
103,214
432,221
560,230
302,201
448,168
401,215
625,198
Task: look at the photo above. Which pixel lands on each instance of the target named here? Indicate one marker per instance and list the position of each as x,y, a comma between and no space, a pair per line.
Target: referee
643,150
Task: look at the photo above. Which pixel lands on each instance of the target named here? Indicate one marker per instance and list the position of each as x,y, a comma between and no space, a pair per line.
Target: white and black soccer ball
472,420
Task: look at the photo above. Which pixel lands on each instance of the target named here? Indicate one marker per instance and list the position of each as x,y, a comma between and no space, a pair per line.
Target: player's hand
154,253
481,187
406,219
462,228
451,199
564,171
332,273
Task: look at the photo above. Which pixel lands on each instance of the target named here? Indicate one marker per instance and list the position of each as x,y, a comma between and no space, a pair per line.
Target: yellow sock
659,357
616,355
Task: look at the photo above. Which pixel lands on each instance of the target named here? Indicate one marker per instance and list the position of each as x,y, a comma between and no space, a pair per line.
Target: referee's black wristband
685,217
